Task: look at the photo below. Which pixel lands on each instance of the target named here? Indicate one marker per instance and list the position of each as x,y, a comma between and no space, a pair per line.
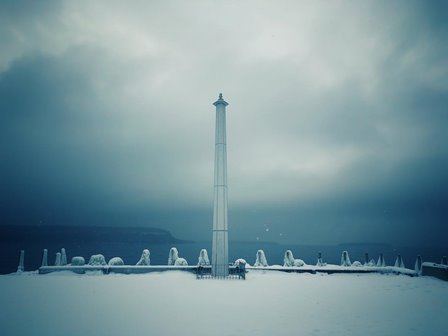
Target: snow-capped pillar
320,261
57,261
220,250
63,257
418,265
444,260
45,258
21,266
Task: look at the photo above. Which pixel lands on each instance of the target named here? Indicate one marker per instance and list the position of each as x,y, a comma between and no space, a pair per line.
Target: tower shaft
220,245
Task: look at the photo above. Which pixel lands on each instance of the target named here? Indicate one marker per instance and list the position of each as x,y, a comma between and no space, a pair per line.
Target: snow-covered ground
267,303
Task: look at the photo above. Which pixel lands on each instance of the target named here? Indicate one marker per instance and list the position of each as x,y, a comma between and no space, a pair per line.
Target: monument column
220,246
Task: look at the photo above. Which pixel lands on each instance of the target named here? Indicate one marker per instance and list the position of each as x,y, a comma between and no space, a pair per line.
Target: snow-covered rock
97,260
44,258
203,258
78,261
63,257
173,255
356,263
180,262
260,260
57,261
116,261
144,259
345,259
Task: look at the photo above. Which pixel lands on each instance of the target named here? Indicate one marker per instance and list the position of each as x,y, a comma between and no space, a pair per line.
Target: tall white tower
220,247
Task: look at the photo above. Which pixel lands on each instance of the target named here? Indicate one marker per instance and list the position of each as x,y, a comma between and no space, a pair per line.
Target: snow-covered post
57,261
320,261
418,265
144,259
173,255
260,259
366,259
399,262
288,259
21,266
203,258
381,262
444,261
45,258
63,257
345,259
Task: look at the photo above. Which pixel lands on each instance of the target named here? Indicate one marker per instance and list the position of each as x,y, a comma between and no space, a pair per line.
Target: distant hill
126,242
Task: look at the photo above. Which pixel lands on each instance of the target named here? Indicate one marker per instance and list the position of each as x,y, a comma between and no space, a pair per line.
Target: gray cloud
336,123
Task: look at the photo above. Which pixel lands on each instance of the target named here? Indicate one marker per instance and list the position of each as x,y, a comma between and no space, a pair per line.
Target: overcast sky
337,123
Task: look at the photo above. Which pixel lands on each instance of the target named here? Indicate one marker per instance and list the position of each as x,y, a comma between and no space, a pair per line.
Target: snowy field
267,303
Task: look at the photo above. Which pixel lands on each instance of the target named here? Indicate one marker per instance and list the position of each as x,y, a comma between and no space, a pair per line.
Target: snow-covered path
175,303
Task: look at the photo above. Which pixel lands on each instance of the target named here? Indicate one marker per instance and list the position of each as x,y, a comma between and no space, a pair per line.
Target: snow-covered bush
203,258
44,258
116,261
78,261
260,260
57,261
97,260
173,255
357,263
372,263
63,257
180,262
239,262
345,259
288,259
144,259
399,262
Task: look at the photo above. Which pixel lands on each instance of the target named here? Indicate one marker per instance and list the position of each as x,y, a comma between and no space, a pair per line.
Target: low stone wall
436,270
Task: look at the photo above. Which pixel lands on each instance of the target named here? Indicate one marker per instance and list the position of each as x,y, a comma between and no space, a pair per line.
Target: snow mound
78,261
173,255
144,259
97,260
357,263
203,258
116,261
180,262
299,263
260,260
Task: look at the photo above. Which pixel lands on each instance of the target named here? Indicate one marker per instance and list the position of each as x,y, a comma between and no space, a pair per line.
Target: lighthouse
220,244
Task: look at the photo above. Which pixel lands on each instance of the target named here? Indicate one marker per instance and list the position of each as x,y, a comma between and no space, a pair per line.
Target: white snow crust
267,303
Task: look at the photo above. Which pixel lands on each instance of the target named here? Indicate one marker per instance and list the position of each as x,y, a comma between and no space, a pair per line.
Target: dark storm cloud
336,123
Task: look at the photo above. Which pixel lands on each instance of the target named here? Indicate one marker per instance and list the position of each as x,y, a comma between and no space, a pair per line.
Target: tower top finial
220,101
